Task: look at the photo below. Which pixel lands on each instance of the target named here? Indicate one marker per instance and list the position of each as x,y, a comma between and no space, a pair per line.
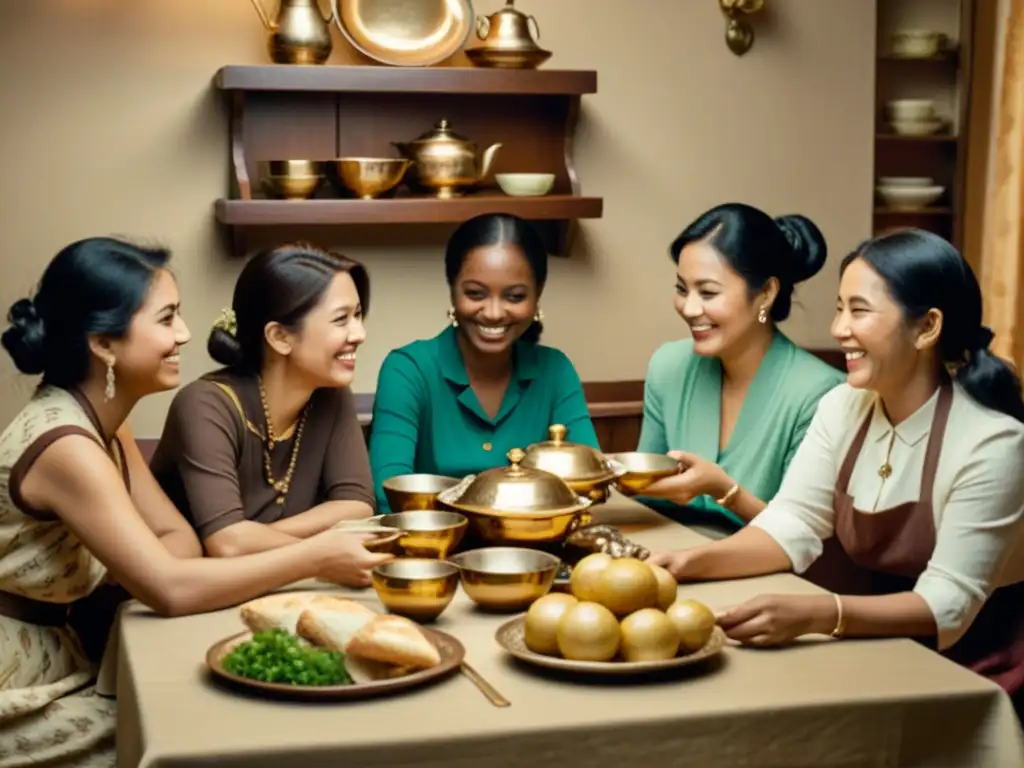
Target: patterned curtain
1002,263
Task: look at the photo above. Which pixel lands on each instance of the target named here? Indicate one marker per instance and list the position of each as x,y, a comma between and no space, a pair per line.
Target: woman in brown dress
79,508
268,450
906,497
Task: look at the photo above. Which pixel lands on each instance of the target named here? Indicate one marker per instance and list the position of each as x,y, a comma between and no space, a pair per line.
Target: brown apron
886,551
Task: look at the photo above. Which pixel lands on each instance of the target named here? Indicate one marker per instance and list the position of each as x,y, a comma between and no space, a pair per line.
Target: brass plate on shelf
405,33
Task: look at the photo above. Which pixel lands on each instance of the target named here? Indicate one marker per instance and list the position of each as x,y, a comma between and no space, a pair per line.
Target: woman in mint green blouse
733,403
457,403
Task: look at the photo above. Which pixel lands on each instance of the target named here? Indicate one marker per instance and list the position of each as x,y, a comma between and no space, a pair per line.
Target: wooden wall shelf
324,112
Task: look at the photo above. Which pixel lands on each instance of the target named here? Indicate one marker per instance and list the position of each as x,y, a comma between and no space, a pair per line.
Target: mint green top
683,412
426,417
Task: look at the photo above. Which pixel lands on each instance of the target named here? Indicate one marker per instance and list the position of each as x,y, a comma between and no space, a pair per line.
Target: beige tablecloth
820,703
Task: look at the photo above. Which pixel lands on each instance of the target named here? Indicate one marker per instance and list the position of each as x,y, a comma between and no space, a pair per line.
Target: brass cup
291,179
385,540
417,588
370,177
427,533
506,579
406,493
642,470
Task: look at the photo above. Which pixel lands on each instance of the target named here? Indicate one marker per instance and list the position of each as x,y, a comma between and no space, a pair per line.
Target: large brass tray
510,637
405,33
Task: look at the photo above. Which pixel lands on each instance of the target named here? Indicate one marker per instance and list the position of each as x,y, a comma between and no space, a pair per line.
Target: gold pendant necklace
885,471
284,484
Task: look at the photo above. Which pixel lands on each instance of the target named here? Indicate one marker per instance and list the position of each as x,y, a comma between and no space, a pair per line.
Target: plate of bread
319,645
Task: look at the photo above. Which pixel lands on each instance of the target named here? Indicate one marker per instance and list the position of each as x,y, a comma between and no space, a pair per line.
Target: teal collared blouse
683,412
426,417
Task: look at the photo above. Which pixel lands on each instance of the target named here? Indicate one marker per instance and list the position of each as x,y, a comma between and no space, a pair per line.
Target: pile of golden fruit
620,609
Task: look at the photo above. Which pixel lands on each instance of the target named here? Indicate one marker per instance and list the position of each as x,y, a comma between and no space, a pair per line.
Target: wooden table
818,703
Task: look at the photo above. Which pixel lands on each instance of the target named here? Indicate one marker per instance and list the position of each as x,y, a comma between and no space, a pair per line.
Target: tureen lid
570,461
514,489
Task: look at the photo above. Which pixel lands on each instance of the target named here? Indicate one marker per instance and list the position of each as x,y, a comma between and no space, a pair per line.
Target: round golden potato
588,632
666,586
694,621
649,635
540,629
627,585
583,580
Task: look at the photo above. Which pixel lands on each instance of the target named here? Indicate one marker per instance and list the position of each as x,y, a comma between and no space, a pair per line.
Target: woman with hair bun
733,403
455,404
911,472
81,513
268,450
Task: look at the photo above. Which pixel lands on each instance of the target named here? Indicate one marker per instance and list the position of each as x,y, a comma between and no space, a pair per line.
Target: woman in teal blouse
457,403
733,403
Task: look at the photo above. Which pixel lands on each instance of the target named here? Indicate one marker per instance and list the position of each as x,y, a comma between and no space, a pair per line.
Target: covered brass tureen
584,470
517,503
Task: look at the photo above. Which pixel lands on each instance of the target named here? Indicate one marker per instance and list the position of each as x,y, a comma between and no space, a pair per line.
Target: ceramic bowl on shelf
909,198
370,177
917,127
906,181
917,43
419,589
291,179
506,578
908,110
525,184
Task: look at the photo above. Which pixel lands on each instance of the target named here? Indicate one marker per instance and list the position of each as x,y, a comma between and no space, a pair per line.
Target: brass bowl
409,492
384,542
429,533
370,177
291,179
419,589
506,578
642,470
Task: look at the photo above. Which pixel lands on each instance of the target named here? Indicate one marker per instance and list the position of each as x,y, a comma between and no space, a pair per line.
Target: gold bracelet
840,619
731,494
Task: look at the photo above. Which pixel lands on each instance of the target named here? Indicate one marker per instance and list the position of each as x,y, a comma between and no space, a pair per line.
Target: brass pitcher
300,34
508,29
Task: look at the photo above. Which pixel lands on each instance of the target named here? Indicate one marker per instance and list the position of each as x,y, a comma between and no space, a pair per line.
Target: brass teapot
508,29
444,162
300,34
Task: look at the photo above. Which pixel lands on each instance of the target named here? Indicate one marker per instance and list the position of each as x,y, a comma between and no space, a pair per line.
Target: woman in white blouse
906,496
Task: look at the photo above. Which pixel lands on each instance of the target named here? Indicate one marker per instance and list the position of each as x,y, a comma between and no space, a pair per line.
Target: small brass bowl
385,540
370,177
418,589
642,470
427,532
406,493
291,179
504,579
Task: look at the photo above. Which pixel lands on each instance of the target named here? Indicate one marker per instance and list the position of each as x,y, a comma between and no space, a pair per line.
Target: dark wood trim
374,79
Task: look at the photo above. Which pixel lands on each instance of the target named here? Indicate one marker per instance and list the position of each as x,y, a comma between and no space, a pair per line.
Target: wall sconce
739,34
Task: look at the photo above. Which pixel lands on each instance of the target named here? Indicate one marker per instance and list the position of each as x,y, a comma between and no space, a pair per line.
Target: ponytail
990,380
533,332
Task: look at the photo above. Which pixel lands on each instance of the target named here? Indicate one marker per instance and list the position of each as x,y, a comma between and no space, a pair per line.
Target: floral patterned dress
50,710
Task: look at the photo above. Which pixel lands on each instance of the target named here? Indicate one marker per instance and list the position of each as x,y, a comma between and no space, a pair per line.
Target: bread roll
393,640
332,622
278,611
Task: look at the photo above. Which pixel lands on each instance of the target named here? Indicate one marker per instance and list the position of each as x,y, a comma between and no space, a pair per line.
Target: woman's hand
699,477
769,620
346,561
674,562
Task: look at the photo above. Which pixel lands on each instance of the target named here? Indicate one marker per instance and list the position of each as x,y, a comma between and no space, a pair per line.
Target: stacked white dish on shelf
917,43
914,117
908,193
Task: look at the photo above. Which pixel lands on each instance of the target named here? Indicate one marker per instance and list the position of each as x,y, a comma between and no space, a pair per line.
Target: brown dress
210,459
50,711
885,552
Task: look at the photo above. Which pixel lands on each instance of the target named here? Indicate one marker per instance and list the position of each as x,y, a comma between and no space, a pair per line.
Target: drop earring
451,318
762,316
111,389
539,316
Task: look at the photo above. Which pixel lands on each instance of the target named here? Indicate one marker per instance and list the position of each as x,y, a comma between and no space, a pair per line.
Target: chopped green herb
275,656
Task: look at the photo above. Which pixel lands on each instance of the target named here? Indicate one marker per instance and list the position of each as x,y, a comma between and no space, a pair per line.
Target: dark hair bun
807,245
25,340
224,348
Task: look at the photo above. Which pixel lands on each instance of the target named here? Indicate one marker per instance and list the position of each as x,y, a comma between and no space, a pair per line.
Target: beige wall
110,126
